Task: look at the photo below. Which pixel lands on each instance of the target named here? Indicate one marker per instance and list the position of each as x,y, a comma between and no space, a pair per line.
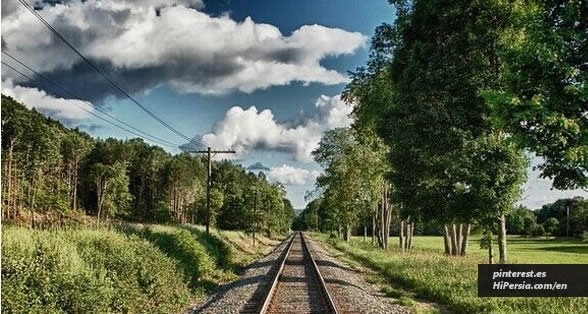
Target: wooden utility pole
209,155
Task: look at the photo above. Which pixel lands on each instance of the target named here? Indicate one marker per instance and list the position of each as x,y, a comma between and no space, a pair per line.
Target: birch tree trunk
410,231
446,240
502,240
490,249
459,235
374,228
364,232
464,241
401,236
454,248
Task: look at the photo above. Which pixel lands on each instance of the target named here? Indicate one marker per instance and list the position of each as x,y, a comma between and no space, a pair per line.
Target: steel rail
276,279
323,284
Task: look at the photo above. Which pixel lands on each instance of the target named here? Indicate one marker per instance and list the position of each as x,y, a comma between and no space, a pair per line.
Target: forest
52,174
454,100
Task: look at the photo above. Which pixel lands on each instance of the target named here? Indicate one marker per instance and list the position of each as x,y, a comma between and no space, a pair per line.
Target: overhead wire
96,115
116,86
71,95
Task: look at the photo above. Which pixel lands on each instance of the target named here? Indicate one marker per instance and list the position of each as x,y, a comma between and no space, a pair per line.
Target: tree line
50,172
454,96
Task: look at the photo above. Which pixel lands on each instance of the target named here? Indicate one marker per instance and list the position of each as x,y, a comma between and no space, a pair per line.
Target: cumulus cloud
245,129
69,109
148,43
289,175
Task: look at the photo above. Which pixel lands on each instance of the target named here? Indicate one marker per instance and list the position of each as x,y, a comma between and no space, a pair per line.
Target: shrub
87,271
539,231
551,225
183,247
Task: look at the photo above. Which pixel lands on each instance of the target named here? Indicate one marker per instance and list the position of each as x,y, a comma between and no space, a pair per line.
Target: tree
543,98
111,183
421,92
551,225
216,202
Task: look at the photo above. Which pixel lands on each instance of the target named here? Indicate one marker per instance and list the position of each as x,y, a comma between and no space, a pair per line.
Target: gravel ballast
351,292
243,295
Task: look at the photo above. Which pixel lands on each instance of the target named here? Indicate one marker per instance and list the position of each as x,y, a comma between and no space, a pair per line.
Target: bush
539,231
551,225
198,267
87,271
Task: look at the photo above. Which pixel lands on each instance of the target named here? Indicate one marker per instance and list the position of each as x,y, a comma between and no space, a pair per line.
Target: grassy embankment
427,273
130,268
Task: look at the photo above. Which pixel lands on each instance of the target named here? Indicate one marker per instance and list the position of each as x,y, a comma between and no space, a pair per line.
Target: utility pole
209,155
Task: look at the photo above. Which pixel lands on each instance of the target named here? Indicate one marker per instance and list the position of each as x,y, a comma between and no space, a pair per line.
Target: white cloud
245,129
187,48
289,175
538,191
70,109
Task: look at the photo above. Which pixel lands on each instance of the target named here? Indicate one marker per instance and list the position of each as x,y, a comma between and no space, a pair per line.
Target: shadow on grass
214,247
581,249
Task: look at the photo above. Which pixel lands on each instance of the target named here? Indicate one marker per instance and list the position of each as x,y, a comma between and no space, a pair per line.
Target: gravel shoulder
244,293
351,292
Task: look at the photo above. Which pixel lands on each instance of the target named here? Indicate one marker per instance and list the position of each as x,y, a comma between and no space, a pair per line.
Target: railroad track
298,286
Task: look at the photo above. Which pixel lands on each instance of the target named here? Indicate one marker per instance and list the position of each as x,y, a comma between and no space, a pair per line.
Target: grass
521,249
452,281
127,268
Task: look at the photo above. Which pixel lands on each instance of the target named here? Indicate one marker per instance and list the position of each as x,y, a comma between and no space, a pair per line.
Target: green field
521,249
427,273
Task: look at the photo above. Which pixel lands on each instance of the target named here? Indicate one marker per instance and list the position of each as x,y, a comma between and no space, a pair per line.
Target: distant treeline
550,219
49,170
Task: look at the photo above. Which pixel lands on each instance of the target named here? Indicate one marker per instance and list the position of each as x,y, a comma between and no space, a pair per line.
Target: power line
104,75
94,114
70,95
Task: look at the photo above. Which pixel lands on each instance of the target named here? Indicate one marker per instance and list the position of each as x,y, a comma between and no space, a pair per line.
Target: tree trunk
502,240
374,228
410,231
75,186
9,176
401,236
490,249
364,232
446,240
459,240
347,232
454,248
464,241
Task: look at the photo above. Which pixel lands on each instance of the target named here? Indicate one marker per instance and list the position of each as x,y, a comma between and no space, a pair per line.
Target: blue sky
193,62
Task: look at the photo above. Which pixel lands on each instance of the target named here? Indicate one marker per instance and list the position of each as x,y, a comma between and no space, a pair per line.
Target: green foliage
52,169
352,184
578,220
542,100
551,225
86,271
127,269
181,245
420,93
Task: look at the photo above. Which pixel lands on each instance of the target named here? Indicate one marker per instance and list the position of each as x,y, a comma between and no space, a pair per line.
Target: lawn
427,273
521,249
